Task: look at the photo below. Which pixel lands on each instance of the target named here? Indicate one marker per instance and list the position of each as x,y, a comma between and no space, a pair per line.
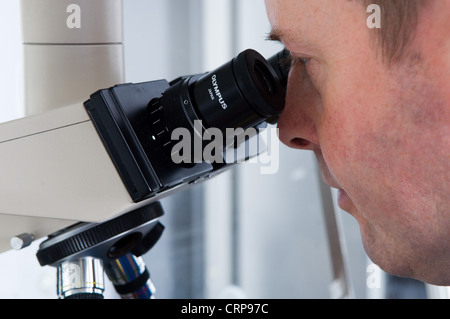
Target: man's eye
290,61
303,61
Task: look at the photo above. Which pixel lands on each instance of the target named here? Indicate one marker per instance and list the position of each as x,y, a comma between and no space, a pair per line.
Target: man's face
381,134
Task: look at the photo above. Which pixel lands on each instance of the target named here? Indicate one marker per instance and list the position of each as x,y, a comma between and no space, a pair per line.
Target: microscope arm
70,49
55,166
56,171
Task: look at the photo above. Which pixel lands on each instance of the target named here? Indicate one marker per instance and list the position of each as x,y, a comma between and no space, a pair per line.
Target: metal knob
21,241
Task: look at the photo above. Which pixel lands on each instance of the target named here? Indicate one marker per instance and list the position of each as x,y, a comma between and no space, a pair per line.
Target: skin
381,134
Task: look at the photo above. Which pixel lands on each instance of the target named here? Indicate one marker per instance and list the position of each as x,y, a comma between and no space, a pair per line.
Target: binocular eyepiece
141,124
239,94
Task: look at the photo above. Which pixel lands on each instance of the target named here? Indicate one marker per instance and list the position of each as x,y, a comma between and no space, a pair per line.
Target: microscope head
107,162
132,144
161,134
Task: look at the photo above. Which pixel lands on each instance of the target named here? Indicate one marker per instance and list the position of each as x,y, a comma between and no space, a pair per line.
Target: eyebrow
280,36
290,42
274,35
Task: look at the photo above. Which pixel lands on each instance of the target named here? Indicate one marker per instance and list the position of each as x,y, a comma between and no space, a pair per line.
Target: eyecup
259,83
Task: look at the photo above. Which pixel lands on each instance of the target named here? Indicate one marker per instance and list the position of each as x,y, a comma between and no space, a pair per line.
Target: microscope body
111,155
88,176
69,51
56,167
95,161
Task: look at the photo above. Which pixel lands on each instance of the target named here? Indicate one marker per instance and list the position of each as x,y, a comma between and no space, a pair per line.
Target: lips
344,200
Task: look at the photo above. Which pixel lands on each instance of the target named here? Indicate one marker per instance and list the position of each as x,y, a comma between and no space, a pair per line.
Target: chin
382,253
431,267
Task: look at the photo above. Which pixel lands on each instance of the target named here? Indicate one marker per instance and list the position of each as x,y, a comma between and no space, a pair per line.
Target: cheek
386,151
340,132
351,107
357,138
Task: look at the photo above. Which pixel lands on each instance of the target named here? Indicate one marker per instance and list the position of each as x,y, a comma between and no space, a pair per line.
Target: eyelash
290,61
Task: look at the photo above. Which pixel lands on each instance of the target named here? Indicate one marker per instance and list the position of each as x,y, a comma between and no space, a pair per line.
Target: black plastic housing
136,121
120,117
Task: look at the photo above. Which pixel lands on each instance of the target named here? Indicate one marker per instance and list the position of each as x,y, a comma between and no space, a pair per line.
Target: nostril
299,142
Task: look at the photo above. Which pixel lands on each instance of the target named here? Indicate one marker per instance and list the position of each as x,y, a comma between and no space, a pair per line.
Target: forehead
312,21
279,10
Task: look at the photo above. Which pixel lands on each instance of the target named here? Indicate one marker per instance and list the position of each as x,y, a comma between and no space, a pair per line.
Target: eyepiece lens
264,78
242,93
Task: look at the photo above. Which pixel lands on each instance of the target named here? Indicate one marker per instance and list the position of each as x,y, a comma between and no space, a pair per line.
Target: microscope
136,125
118,153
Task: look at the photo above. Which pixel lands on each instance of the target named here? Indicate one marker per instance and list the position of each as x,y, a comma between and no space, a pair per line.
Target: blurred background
242,234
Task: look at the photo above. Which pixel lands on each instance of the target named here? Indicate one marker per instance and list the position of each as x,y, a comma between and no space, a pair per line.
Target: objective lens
81,279
240,94
130,277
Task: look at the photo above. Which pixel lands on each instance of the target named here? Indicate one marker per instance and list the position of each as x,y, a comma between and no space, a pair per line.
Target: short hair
399,20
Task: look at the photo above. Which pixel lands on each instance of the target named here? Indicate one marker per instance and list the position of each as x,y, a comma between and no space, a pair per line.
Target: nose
298,122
